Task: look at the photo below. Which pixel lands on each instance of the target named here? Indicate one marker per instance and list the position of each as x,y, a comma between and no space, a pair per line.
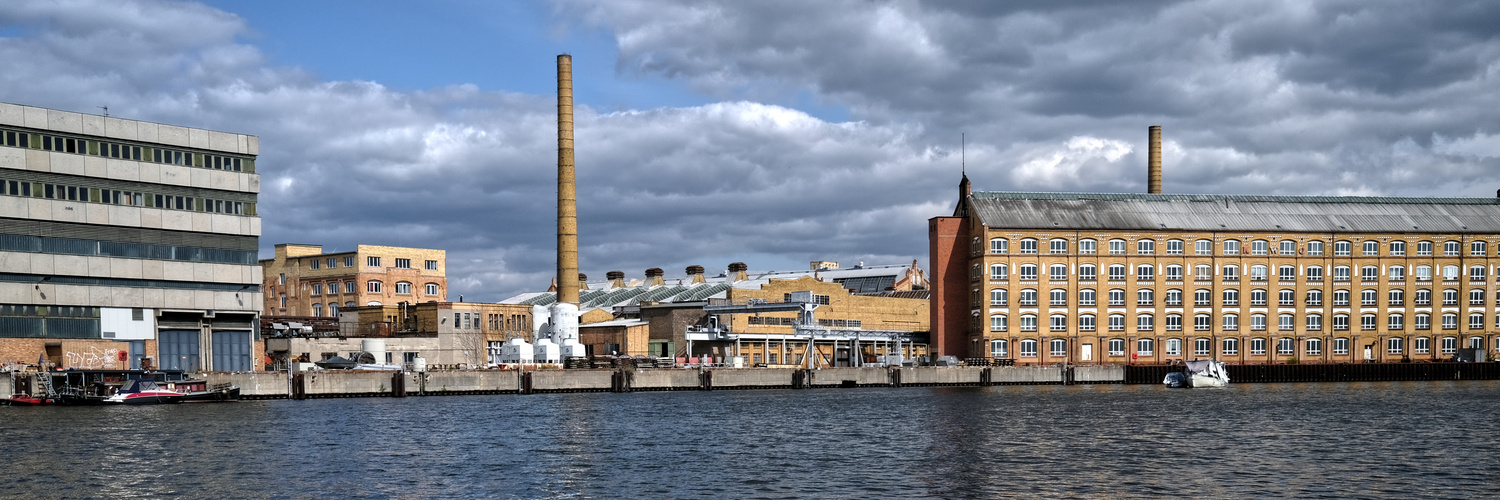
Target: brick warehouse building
123,240
1044,278
302,280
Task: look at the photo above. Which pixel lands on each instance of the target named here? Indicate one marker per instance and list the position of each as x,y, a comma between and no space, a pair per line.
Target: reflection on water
1397,439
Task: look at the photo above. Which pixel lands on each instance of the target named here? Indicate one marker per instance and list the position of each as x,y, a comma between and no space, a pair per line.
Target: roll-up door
179,350
231,351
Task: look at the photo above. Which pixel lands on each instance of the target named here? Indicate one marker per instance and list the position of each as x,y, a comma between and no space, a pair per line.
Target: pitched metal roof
1236,212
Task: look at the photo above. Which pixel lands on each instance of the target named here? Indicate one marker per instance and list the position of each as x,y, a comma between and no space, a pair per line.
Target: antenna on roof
963,153
106,110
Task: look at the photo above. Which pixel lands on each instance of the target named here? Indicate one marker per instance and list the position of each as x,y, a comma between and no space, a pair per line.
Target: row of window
1231,272
371,261
317,309
64,144
372,286
1231,322
120,197
73,246
1285,346
1119,246
1231,297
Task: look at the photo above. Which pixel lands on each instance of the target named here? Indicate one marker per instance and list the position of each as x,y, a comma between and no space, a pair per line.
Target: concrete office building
123,242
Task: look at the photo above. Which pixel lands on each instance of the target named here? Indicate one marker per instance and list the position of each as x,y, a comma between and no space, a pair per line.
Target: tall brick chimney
1153,161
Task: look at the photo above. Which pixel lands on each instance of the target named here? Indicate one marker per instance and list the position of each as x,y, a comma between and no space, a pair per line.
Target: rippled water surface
1398,439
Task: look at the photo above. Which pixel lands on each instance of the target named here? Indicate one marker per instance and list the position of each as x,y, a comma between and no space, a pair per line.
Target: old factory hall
1090,278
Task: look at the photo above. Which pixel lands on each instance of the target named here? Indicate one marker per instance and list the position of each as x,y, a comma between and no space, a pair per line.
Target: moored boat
143,392
28,400
1205,373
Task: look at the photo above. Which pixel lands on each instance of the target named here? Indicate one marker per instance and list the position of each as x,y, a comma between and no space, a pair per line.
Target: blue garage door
231,351
179,350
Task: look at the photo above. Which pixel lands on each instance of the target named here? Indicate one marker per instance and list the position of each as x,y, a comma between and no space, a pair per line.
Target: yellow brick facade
843,310
1170,304
302,280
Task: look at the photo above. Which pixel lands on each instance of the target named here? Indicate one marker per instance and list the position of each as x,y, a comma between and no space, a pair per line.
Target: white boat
1206,373
143,392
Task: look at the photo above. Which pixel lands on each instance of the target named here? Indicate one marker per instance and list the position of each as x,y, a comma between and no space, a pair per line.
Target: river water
1395,439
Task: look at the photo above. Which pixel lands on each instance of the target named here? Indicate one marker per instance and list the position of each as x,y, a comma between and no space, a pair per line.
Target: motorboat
1205,373
198,391
28,400
143,392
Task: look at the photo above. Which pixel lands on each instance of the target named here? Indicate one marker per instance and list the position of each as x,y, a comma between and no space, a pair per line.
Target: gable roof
1235,212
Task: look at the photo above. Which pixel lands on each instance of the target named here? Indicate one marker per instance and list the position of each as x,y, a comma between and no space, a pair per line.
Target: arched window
1342,248
1059,322
1260,247
1231,347
432,289
1117,322
333,309
1203,247
1057,272
403,287
1450,248
1314,321
1117,272
1231,273
1057,246
1174,272
999,245
1028,322
1231,247
372,286
1231,321
1088,246
1174,247
1028,297
1086,322
1028,272
1145,247
1088,272
1341,322
1422,273
1145,323
999,272
1028,245
1086,297
1424,248
1314,273
1257,273
1174,322
1117,347
1315,247
1028,348
998,323
317,309
1117,247
1145,272
1058,297
1144,347
1398,248
999,348
1288,247
998,297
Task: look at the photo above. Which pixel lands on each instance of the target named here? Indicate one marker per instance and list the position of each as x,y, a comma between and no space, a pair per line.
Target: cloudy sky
769,132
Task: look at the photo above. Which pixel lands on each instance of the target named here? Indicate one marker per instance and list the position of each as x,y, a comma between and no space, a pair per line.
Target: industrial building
857,312
1083,278
303,280
126,244
465,334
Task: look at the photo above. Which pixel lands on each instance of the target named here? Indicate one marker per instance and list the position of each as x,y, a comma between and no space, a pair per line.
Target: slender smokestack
1153,175
567,196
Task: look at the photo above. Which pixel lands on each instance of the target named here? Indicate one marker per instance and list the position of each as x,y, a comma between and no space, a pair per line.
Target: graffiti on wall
94,358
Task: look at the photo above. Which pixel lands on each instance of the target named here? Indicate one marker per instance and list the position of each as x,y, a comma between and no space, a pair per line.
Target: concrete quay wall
321,384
